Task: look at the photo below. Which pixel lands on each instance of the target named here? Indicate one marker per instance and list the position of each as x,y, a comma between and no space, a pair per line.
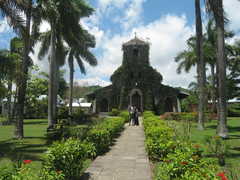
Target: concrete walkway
127,159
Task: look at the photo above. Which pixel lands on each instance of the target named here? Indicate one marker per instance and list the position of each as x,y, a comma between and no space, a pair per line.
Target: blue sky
166,24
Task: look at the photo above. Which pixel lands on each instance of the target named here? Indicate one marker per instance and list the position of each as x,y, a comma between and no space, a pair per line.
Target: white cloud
167,35
104,4
232,10
43,63
92,81
133,14
4,27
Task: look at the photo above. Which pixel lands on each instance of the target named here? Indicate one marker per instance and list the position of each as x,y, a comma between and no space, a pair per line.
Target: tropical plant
79,53
215,7
201,69
65,28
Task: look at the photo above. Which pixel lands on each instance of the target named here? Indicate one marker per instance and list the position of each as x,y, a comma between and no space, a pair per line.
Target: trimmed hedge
175,159
185,116
102,134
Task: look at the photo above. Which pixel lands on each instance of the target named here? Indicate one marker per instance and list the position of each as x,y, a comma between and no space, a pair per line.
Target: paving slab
127,159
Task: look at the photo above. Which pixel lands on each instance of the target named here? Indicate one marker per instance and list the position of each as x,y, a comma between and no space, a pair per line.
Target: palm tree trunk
9,100
213,90
222,130
22,83
56,85
51,84
71,87
200,66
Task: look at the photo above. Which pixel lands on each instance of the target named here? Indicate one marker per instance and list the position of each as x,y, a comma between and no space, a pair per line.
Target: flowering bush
177,159
102,134
222,175
186,163
20,171
68,158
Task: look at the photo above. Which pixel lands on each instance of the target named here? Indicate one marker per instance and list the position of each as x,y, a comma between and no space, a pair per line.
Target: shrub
62,112
114,112
192,116
19,171
103,134
68,158
186,163
234,110
79,116
178,159
125,116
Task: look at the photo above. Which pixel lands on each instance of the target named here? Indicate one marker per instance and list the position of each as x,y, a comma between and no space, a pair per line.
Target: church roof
135,41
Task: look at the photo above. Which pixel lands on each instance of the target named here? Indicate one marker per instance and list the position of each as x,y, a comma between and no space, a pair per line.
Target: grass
233,142
31,147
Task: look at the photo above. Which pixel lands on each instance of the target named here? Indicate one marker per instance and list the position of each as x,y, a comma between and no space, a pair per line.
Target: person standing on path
131,115
136,114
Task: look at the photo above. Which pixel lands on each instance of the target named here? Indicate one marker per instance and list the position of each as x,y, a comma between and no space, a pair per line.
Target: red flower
184,163
27,161
222,175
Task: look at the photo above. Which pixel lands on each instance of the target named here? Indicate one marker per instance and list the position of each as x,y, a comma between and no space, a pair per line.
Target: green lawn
31,147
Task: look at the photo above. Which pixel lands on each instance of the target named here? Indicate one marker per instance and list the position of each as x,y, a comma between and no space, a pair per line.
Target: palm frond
45,39
80,64
11,9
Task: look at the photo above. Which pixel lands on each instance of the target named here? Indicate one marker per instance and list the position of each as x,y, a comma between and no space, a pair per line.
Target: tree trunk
71,87
222,130
22,83
51,84
213,89
200,67
9,100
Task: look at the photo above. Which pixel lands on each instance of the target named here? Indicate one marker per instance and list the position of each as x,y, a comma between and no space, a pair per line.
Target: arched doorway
104,105
136,99
168,105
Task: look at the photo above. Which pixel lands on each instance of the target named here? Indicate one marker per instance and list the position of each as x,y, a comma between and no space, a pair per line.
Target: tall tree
65,27
14,11
201,70
80,53
216,8
22,81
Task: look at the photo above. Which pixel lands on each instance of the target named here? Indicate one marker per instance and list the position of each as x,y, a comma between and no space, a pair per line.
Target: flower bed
174,159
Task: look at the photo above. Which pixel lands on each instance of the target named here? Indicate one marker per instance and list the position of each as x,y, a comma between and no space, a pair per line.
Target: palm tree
13,10
201,70
65,27
216,8
80,53
22,83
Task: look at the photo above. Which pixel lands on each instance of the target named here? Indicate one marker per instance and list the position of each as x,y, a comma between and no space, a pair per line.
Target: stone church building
136,83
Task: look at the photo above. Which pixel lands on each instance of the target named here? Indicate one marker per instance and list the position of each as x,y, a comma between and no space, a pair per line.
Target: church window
135,52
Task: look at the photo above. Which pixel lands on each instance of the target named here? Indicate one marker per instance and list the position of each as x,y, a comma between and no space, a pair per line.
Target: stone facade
136,83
